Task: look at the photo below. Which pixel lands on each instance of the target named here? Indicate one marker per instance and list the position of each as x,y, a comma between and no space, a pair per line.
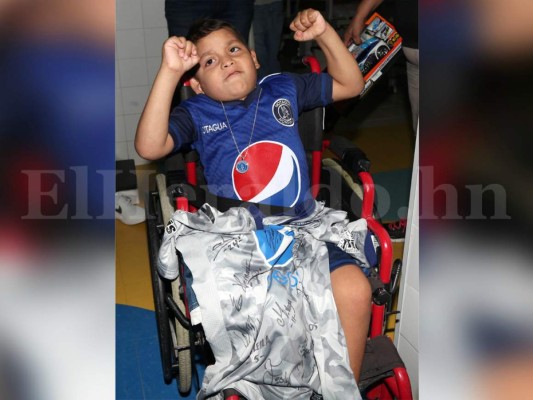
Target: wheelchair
342,182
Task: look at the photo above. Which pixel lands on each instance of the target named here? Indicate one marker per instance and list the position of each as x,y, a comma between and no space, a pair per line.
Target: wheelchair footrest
381,357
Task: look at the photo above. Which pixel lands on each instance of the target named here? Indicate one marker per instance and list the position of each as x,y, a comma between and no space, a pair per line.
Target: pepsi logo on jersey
273,176
275,243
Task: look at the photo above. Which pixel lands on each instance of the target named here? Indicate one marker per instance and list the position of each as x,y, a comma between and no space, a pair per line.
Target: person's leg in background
180,14
353,298
268,27
239,13
411,56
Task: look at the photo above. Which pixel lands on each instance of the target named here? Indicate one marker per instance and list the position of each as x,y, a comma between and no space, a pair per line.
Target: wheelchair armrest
193,193
353,159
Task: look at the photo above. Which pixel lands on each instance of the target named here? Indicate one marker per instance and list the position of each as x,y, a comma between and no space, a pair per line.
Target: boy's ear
195,85
254,57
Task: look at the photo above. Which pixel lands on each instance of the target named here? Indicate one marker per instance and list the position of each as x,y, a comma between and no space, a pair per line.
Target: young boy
246,133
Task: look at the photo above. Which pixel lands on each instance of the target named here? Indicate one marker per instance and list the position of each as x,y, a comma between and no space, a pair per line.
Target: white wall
141,30
406,333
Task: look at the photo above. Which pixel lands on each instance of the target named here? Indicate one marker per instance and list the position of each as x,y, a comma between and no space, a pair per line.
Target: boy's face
227,69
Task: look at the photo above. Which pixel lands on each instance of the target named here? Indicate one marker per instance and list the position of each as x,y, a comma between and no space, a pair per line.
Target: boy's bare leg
353,298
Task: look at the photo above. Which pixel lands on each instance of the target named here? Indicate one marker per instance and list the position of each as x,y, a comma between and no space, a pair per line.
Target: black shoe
396,229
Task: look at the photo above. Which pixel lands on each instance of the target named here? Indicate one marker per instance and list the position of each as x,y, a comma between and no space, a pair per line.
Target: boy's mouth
233,73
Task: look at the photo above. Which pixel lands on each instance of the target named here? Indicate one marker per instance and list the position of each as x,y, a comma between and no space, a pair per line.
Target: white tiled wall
406,334
141,30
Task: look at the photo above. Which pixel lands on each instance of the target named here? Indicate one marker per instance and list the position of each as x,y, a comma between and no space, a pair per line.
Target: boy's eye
234,49
209,62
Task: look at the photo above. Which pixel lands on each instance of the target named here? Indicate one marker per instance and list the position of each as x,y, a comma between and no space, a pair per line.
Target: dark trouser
268,26
180,14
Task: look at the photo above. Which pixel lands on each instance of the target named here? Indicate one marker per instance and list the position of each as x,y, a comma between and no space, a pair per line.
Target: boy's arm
152,140
347,78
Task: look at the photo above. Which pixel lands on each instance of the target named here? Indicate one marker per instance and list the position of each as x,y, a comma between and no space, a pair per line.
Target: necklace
242,165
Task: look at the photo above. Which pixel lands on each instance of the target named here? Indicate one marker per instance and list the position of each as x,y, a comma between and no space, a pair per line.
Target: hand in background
353,32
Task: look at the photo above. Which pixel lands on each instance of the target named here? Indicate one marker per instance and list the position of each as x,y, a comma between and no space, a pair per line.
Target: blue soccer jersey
261,130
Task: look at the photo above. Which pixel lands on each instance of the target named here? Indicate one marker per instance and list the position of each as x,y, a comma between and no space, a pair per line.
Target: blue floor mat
139,374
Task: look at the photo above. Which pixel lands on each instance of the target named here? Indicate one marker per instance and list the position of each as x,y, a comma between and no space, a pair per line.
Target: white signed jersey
265,298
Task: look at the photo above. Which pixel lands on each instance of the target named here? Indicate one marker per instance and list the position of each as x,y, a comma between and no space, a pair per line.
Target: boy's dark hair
203,27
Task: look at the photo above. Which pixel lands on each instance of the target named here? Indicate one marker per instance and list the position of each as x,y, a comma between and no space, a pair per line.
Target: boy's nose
227,62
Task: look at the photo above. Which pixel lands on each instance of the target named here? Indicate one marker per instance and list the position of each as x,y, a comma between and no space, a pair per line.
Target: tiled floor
379,124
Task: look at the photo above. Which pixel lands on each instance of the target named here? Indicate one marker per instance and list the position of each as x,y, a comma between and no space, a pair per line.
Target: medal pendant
242,166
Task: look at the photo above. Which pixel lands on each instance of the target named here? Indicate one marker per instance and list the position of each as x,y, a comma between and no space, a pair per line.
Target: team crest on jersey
282,111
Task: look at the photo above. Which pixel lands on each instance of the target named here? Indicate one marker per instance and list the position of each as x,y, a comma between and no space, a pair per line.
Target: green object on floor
392,193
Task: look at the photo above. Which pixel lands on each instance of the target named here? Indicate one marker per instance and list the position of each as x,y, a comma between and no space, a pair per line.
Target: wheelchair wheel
161,311
174,338
182,345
